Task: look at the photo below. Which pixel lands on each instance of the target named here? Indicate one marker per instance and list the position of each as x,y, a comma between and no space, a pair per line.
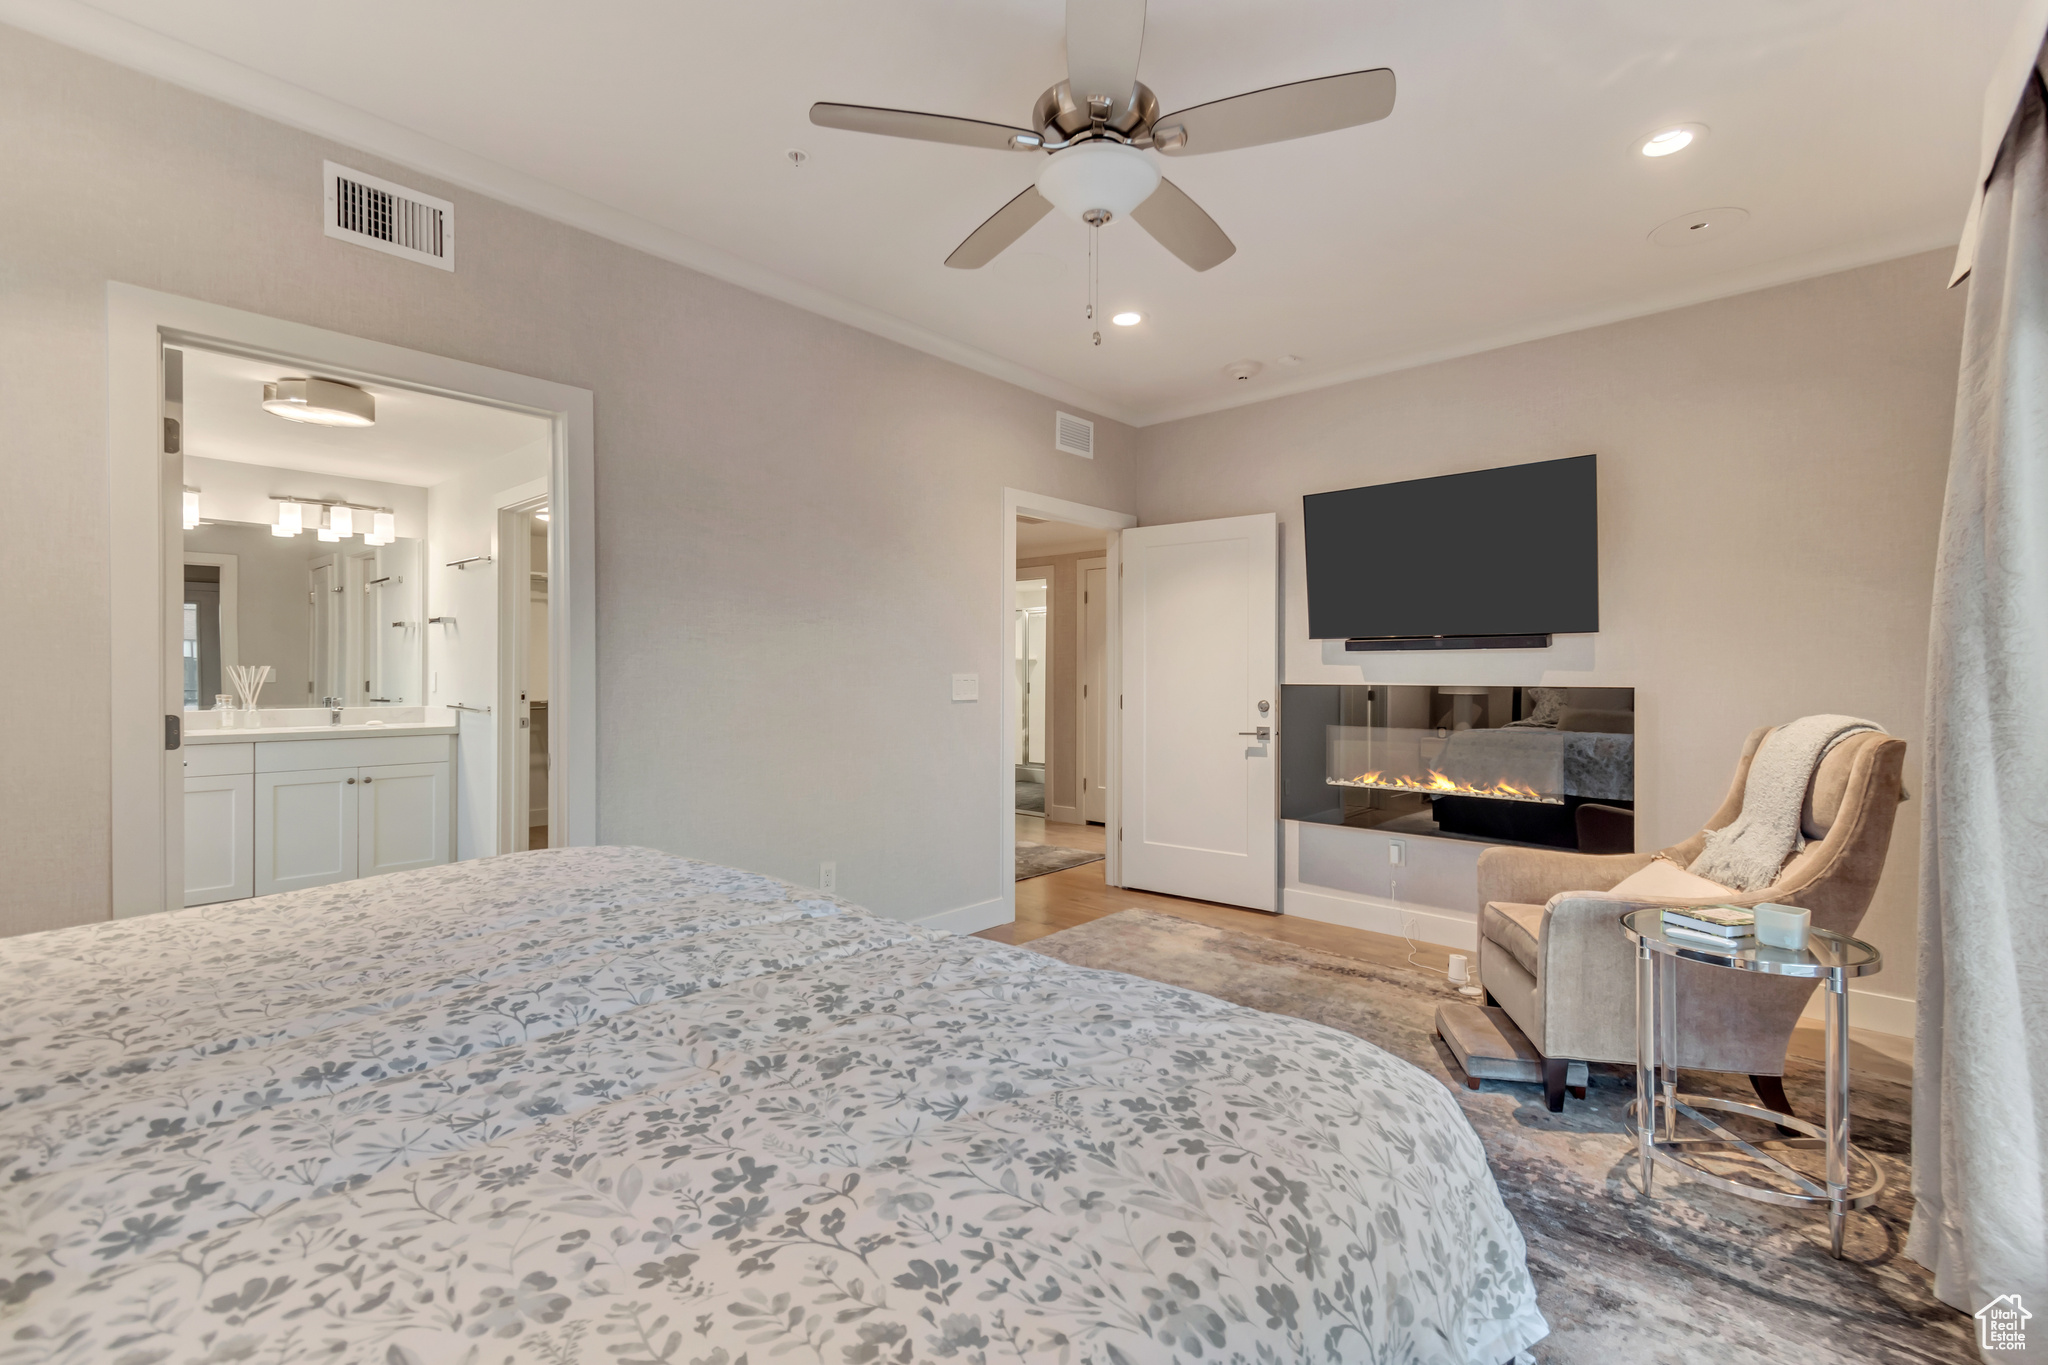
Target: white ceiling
1500,201
419,439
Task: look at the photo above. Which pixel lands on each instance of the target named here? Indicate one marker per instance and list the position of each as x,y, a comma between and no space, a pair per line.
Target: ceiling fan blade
1177,223
1103,38
964,132
1279,113
1003,227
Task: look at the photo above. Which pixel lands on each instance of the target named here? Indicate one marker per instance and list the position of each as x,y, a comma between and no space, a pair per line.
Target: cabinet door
404,817
220,862
305,829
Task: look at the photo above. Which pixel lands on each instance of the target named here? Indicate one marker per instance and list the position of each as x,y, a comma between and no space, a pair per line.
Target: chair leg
1553,1083
1771,1090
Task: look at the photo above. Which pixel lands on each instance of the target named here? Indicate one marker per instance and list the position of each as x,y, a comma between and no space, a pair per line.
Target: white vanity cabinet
281,815
220,823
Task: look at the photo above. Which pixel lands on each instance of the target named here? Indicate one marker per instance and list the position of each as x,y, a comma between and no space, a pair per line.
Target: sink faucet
333,705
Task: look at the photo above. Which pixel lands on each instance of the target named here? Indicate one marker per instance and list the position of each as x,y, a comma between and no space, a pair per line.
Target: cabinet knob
351,781
368,780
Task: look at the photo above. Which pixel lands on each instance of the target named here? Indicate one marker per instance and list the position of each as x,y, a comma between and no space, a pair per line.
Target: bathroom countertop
436,720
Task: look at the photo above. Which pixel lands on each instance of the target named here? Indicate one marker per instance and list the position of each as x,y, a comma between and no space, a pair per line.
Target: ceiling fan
1098,123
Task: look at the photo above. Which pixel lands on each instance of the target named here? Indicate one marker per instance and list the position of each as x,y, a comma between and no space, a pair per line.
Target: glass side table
1659,1104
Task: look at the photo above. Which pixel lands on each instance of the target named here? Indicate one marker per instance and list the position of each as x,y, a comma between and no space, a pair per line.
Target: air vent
1075,435
389,218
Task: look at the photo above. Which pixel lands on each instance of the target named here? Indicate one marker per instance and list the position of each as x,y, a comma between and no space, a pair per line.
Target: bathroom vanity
301,801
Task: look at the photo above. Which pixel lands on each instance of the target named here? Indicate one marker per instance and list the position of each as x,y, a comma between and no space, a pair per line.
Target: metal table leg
1667,1041
1837,1068
1646,1057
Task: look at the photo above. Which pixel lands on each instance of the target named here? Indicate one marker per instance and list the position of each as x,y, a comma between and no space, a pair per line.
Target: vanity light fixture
1128,319
191,507
323,402
383,529
289,520
342,521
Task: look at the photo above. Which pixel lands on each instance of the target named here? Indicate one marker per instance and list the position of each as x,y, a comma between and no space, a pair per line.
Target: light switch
967,687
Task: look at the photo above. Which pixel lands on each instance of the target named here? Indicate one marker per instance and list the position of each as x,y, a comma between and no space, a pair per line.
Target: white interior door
305,829
1094,690
403,818
1200,663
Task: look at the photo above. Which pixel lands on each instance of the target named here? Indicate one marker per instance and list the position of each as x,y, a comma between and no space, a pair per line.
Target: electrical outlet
1397,852
828,878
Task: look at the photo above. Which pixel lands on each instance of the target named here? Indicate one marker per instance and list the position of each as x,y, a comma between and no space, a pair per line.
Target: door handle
1264,732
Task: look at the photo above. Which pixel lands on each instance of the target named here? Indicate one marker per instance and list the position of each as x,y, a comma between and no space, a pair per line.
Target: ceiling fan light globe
1098,176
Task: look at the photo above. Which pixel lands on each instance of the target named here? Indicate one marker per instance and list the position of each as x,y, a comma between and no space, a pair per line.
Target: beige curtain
1980,1089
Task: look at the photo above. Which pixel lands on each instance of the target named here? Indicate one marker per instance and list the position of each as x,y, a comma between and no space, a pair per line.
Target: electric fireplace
1552,767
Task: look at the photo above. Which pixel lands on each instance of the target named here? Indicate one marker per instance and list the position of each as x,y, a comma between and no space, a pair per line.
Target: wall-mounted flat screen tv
1499,552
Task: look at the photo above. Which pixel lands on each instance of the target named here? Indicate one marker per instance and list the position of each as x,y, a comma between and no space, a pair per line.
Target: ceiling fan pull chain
1095,275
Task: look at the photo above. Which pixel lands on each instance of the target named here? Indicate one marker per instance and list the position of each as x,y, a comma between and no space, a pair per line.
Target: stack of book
1722,924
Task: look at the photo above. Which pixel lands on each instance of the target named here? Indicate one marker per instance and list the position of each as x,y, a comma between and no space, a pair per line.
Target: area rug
1030,797
1035,860
1691,1275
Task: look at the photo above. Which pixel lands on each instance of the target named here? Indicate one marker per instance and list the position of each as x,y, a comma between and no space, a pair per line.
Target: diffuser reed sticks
248,681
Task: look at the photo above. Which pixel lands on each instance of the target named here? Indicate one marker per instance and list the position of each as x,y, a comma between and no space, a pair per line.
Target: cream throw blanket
1748,852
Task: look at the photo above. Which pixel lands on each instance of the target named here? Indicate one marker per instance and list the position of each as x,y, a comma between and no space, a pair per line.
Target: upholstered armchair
1552,953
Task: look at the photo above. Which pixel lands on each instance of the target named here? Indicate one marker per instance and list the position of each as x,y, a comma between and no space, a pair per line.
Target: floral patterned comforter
614,1106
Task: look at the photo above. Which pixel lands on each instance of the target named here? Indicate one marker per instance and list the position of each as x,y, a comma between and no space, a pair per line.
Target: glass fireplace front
1547,766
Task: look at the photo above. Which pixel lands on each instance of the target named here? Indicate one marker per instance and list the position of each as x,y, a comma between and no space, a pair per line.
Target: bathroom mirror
338,619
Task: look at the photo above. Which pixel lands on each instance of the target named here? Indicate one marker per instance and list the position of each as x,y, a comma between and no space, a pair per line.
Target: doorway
1058,730
376,652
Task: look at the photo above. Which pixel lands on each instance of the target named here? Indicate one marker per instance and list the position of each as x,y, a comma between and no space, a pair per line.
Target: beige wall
779,498
1770,489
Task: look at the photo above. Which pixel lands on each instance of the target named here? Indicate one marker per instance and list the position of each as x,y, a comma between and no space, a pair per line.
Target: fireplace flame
1439,785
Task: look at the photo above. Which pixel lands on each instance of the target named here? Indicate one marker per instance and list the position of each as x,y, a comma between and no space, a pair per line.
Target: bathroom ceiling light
341,521
541,515
1128,319
289,522
322,402
191,507
1668,141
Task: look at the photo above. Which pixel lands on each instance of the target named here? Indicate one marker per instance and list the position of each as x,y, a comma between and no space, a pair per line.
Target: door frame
1081,570
1041,573
514,555
1016,500
147,551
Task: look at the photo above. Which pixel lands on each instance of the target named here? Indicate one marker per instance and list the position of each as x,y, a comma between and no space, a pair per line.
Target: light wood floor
1063,900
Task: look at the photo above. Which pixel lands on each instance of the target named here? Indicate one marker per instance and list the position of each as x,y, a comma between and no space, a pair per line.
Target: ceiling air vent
1075,435
390,218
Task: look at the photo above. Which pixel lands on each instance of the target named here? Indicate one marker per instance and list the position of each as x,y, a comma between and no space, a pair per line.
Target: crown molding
76,25
1768,276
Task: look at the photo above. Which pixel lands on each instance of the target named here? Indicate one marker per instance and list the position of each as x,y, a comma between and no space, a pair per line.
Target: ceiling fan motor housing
1061,117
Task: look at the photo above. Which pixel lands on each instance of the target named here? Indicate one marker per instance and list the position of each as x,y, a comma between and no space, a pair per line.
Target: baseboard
970,919
1432,924
1893,1014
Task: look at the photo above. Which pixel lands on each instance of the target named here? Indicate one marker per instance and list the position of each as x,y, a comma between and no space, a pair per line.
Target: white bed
611,1105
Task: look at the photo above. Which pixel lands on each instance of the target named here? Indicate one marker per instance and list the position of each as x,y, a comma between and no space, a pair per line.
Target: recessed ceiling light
322,402
1666,141
1128,319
